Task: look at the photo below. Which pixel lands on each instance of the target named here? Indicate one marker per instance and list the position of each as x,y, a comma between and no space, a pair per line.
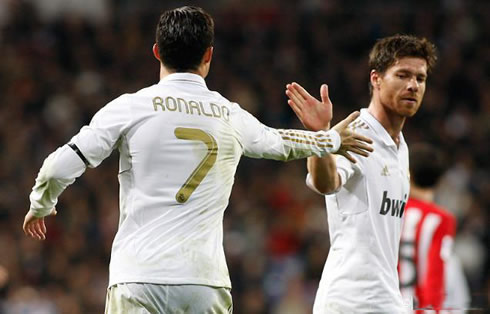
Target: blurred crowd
63,60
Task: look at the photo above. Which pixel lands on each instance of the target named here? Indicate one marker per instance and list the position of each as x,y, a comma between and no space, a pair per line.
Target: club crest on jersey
385,172
397,206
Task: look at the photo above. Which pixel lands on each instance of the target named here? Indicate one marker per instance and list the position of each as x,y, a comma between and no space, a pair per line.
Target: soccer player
429,271
365,200
179,146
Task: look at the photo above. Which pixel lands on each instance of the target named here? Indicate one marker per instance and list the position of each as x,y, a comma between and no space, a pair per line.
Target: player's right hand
351,141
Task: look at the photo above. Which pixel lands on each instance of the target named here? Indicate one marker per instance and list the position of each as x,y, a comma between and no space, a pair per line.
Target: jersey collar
184,76
379,129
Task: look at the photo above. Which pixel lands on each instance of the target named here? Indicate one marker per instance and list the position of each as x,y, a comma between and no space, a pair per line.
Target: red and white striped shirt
425,247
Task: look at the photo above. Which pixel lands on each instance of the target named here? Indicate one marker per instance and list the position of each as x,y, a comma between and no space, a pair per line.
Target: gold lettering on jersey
194,105
181,101
215,109
204,111
158,101
226,113
204,166
171,103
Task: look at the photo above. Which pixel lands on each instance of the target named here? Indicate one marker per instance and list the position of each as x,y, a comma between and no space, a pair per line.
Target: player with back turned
429,271
179,146
365,200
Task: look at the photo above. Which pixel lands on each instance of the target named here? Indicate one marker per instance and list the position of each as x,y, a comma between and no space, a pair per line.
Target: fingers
34,230
294,100
359,151
351,117
28,232
324,93
348,156
27,225
300,90
296,109
365,147
37,229
293,90
342,125
42,227
361,145
34,227
362,138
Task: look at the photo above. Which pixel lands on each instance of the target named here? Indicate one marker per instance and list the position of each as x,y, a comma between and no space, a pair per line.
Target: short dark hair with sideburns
427,165
182,37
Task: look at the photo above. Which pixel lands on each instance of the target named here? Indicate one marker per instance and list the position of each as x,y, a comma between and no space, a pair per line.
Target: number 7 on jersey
204,166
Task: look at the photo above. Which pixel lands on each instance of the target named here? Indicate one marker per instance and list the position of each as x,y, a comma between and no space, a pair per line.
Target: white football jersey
364,219
179,146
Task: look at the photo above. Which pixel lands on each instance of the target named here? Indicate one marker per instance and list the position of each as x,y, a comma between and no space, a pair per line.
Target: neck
424,194
392,122
202,70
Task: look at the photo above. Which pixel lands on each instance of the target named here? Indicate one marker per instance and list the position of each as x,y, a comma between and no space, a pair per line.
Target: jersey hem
171,281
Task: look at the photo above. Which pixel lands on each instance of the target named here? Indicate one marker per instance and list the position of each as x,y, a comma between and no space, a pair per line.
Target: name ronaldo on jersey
192,107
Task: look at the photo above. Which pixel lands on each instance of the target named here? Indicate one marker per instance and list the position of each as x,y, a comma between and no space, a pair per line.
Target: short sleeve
346,169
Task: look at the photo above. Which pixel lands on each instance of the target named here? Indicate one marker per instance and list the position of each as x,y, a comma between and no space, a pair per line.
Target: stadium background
60,61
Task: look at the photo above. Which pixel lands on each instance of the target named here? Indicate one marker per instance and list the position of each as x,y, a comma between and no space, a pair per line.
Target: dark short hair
388,50
427,165
182,37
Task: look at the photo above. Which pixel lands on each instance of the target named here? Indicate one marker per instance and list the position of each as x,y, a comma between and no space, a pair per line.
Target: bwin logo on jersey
397,206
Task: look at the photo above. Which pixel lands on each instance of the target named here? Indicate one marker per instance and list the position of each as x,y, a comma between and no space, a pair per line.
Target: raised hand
314,114
351,141
35,226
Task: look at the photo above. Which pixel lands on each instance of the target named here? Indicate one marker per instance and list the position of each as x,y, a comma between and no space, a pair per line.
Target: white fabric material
360,275
59,170
429,227
179,146
135,298
458,296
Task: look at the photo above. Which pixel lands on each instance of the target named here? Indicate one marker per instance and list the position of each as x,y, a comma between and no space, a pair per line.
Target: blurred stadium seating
63,60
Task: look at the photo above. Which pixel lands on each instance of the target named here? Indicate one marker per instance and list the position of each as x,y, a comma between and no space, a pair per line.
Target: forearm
323,174
59,170
288,145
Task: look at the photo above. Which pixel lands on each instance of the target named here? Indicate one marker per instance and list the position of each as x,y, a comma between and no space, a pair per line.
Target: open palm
314,114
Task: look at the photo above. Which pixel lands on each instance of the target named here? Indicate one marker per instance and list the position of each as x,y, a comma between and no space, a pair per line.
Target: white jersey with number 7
179,146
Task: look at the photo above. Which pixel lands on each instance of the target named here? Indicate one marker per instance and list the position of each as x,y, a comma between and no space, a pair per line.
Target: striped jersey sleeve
260,141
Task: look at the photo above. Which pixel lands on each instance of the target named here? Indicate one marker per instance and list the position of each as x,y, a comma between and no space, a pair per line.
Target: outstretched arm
60,169
315,115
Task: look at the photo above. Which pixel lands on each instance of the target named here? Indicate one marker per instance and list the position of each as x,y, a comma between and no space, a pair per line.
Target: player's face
402,86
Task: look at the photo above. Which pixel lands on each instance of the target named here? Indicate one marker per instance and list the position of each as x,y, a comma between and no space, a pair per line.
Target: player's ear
156,53
208,55
374,78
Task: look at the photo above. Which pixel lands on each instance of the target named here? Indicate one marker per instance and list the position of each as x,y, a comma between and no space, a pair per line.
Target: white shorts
135,298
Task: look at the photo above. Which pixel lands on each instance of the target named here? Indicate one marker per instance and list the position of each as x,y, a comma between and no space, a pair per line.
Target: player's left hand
35,226
314,114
